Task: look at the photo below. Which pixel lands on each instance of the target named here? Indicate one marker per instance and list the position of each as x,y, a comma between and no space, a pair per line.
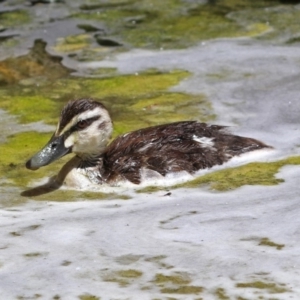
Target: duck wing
183,146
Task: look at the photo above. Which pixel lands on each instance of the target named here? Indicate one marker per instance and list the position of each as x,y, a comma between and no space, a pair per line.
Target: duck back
183,146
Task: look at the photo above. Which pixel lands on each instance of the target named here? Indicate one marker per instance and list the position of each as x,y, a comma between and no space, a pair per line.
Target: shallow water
183,243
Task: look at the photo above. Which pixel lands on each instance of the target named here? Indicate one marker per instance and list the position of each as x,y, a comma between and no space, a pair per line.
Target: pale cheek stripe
57,128
69,125
83,116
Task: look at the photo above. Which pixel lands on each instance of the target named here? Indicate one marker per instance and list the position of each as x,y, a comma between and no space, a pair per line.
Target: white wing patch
204,141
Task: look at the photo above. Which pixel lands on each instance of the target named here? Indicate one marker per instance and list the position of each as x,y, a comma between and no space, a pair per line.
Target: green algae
168,298
165,24
65,195
16,151
97,5
158,260
34,254
103,72
88,297
221,294
177,279
152,189
282,21
14,18
269,243
258,173
123,277
72,43
9,41
133,85
173,107
190,289
235,5
130,273
272,288
176,283
35,296
134,101
31,108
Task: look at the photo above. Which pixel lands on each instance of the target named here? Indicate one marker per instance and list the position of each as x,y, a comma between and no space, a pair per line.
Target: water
187,243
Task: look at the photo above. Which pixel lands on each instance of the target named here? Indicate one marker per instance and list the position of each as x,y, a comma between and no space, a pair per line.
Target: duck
85,129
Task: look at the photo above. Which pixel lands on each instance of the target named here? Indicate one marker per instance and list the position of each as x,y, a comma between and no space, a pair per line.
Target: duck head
84,128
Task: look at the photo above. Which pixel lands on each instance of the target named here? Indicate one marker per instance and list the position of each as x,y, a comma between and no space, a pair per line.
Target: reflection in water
46,188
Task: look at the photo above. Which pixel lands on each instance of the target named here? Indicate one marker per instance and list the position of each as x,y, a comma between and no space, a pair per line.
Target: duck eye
82,124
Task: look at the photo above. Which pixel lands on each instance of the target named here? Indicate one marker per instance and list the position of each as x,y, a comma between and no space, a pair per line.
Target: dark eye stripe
73,108
79,126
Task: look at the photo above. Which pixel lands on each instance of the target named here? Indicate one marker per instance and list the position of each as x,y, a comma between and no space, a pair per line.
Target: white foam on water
72,248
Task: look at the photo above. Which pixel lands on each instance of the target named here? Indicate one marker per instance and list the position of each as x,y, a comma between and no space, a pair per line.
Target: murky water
233,232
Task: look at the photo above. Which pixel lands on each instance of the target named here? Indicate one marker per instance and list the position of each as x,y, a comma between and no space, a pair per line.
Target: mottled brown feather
171,148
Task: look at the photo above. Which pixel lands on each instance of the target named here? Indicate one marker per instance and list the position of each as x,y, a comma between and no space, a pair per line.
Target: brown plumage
171,148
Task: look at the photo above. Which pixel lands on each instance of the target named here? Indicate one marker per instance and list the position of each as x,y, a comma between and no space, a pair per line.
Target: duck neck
89,160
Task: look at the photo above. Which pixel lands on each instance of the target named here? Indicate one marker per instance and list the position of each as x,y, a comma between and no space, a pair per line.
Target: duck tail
237,145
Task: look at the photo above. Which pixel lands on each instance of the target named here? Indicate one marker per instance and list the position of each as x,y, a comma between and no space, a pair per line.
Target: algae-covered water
230,233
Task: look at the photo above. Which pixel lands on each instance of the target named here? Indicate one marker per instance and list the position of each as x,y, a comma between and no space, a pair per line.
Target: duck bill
51,152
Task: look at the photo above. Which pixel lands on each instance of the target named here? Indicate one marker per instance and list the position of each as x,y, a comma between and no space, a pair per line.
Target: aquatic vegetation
221,294
73,43
176,283
258,173
174,279
186,289
281,21
88,297
125,96
271,287
15,152
14,18
267,242
165,24
122,277
23,107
